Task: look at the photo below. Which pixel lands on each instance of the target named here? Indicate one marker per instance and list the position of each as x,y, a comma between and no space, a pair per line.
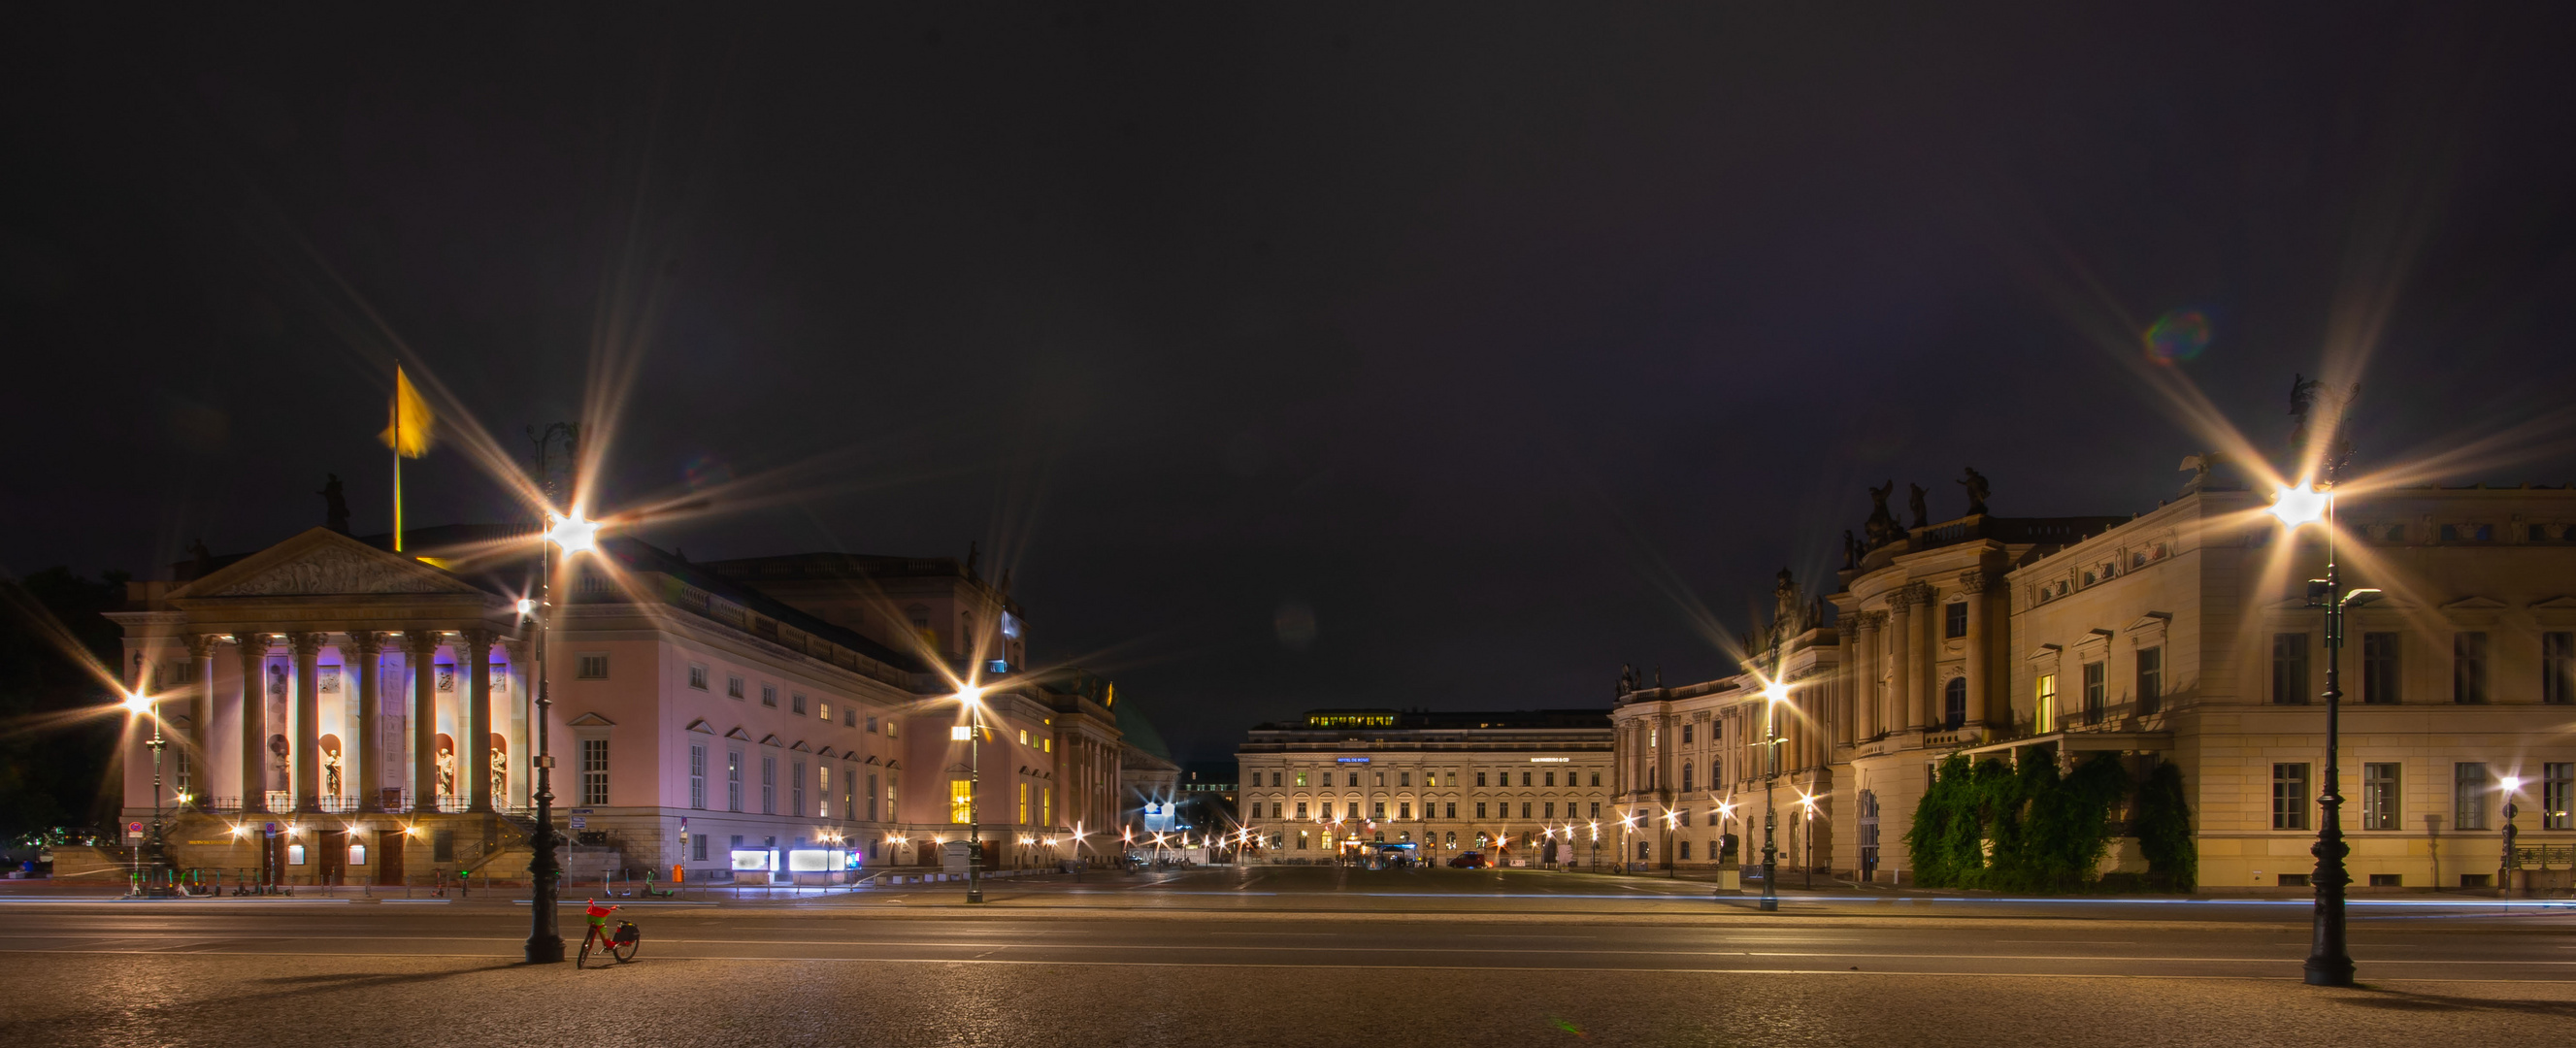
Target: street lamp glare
527,606
136,702
574,534
1775,692
2512,783
2298,504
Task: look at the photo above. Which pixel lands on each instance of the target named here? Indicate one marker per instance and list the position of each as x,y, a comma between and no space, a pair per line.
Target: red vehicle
1470,861
620,944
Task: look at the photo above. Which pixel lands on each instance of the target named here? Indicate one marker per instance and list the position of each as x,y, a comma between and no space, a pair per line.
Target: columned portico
201,706
1900,661
254,721
308,720
370,776
474,763
420,657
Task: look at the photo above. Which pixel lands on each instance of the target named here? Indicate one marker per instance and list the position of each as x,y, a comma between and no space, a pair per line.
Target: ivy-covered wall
1990,825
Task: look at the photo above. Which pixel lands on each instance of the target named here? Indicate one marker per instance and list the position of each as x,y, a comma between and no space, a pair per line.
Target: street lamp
2330,955
2504,870
1773,694
545,944
139,704
973,732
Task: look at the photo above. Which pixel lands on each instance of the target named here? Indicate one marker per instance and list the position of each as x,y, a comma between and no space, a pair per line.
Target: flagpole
398,445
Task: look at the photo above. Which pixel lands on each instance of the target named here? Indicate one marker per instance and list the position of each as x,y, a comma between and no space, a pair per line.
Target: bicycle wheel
584,959
625,951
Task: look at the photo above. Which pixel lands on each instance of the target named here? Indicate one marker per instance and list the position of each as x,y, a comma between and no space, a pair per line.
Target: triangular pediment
769,740
591,720
738,733
2044,652
323,562
700,725
800,747
2150,620
2474,604
2556,604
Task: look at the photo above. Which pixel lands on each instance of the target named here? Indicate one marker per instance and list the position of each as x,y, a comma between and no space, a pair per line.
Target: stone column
420,654
370,750
1906,708
1872,720
201,711
254,723
523,696
474,759
1991,709
308,719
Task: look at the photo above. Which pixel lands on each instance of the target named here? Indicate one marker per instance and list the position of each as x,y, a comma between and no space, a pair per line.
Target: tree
2164,830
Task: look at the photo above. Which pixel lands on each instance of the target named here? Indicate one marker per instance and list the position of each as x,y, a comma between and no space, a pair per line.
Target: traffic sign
269,829
134,831
580,823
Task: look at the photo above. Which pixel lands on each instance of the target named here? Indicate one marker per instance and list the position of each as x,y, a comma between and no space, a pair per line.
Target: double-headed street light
2330,955
572,534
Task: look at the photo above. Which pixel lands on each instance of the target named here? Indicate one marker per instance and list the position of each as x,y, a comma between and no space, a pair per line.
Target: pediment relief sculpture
339,570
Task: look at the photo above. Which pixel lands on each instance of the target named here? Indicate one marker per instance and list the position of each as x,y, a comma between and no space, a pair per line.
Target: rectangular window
2151,679
796,704
733,780
593,667
873,815
1046,814
1596,809
2379,669
823,711
1377,810
893,726
1480,809
1024,736
1480,778
2044,707
768,785
698,677
1954,620
849,717
697,775
1525,778
2096,692
733,687
1525,809
2290,669
849,792
1404,810
2380,784
961,801
1301,811
1549,810
2469,668
1024,804
2469,785
796,788
1354,779
2558,796
1404,778
1274,779
1452,809
2289,796
698,847
1301,778
1686,734
594,771
769,695
2558,668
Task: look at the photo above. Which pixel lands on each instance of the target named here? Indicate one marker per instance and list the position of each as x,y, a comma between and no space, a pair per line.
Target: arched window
1954,704
1686,776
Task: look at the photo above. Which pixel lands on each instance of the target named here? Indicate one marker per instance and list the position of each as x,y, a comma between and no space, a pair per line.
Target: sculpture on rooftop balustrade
1975,482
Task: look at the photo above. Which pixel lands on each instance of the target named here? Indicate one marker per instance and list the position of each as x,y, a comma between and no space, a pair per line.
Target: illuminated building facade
744,717
1516,786
2182,635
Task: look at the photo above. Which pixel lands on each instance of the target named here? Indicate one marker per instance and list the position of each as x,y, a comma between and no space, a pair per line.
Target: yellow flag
409,433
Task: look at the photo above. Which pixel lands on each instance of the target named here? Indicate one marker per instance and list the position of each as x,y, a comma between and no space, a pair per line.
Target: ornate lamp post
2330,956
140,704
1773,694
545,944
973,732
2504,870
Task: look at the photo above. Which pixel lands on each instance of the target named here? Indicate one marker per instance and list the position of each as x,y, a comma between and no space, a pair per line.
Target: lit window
961,801
2045,711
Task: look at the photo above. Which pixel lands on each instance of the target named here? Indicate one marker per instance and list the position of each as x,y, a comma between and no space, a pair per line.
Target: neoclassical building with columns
769,716
2180,635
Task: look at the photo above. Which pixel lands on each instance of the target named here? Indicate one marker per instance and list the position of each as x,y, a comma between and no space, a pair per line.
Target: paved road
1291,957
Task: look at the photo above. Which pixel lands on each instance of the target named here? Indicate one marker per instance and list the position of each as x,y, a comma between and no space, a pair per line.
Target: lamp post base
2329,971
548,950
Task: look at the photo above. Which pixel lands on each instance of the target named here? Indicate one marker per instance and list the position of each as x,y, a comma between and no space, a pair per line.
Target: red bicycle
620,944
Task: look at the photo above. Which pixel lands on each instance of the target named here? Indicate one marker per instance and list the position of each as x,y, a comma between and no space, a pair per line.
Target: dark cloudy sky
1485,338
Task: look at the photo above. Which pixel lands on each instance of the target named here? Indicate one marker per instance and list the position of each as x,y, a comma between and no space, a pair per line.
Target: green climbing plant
1991,825
2163,829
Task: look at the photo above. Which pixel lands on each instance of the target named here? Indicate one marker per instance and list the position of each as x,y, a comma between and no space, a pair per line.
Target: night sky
1289,356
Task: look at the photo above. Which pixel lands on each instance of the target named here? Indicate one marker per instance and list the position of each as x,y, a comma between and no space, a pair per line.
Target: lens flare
2177,336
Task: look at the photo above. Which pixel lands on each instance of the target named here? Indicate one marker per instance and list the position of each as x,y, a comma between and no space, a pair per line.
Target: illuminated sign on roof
1350,760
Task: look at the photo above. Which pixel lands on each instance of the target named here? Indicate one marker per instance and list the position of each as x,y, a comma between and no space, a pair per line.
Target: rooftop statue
1975,482
1881,526
1914,506
335,505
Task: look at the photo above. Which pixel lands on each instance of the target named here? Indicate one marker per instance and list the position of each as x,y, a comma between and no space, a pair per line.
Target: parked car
1470,861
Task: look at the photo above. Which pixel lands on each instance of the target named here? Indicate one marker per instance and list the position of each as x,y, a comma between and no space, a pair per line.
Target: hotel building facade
340,713
2182,635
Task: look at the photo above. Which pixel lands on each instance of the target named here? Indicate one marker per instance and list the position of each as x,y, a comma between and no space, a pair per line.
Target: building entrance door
272,859
388,855
332,865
